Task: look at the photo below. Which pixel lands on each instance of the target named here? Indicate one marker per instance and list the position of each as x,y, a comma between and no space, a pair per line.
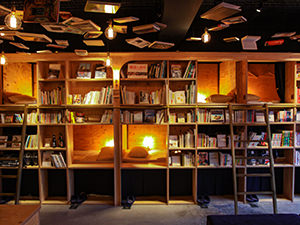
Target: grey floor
155,214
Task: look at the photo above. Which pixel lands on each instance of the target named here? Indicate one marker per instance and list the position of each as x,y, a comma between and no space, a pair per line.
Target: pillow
12,97
219,98
106,154
251,97
138,152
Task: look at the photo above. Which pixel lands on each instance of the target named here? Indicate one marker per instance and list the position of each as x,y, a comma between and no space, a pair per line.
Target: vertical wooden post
117,140
290,81
241,81
1,85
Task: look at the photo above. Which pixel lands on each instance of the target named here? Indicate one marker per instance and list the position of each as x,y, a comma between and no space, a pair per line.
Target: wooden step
8,159
255,175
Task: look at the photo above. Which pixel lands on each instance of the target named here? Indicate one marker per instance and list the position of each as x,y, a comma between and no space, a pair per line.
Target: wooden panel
1,85
241,81
227,77
17,78
91,137
288,183
290,86
19,214
261,82
207,79
137,133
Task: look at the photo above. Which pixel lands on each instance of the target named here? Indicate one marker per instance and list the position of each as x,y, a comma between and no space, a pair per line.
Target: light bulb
108,61
12,21
205,36
110,33
3,60
108,9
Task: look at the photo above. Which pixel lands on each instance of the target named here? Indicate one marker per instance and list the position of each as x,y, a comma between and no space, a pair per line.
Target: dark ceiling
276,16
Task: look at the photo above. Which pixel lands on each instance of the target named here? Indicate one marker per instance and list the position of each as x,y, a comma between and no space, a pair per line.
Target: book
221,11
93,42
46,158
54,70
138,42
100,71
234,20
138,117
3,139
126,19
34,37
135,70
202,158
161,45
149,116
146,28
16,141
173,141
176,71
249,42
216,116
85,26
213,158
83,71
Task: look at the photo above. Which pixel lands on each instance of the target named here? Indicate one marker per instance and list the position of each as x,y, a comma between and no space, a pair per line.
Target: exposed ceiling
276,16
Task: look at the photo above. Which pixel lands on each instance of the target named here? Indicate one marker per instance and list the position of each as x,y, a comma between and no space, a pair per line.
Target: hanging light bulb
12,21
3,60
205,36
110,34
108,60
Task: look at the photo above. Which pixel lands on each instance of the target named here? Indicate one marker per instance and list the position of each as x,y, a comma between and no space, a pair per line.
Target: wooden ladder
18,177
271,174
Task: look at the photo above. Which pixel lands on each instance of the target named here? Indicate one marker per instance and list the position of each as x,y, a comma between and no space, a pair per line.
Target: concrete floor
155,214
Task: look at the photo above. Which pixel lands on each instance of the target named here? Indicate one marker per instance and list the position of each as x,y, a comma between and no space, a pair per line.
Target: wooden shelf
10,124
150,200
92,166
52,124
88,123
89,106
181,200
52,106
143,79
90,80
181,148
142,166
182,124
182,167
52,168
211,123
51,80
52,149
141,106
182,79
180,106
214,167
214,148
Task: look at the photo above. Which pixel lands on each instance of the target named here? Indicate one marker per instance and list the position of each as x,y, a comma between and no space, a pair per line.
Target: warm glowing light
2,34
206,36
108,61
201,98
3,60
110,33
194,39
12,21
148,142
108,8
110,143
116,78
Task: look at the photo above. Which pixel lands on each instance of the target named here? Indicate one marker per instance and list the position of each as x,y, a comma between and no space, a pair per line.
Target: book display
165,133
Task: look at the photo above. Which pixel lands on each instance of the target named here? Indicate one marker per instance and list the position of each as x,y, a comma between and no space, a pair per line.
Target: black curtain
280,79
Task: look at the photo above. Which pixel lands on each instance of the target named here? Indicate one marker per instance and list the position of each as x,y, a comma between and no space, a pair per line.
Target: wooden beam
290,85
241,81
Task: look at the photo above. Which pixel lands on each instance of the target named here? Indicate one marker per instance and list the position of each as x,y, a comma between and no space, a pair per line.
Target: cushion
219,98
251,97
11,97
138,152
106,154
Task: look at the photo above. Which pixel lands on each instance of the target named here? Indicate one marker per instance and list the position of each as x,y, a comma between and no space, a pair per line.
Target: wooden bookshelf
234,71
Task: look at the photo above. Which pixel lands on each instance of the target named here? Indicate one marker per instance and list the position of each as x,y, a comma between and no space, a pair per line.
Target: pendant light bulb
110,34
3,60
108,60
12,21
205,36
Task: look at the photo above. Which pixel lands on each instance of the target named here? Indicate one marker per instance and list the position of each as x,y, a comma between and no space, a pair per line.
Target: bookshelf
178,183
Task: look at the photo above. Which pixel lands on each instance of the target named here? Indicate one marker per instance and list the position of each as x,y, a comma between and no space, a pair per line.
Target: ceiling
183,20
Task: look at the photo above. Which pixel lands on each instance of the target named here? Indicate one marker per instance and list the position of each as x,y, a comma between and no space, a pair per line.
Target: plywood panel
227,77
137,133
241,81
207,77
92,137
290,90
17,78
261,82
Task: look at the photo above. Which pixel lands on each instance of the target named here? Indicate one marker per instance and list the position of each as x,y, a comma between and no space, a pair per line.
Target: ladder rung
254,175
8,176
255,193
7,194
